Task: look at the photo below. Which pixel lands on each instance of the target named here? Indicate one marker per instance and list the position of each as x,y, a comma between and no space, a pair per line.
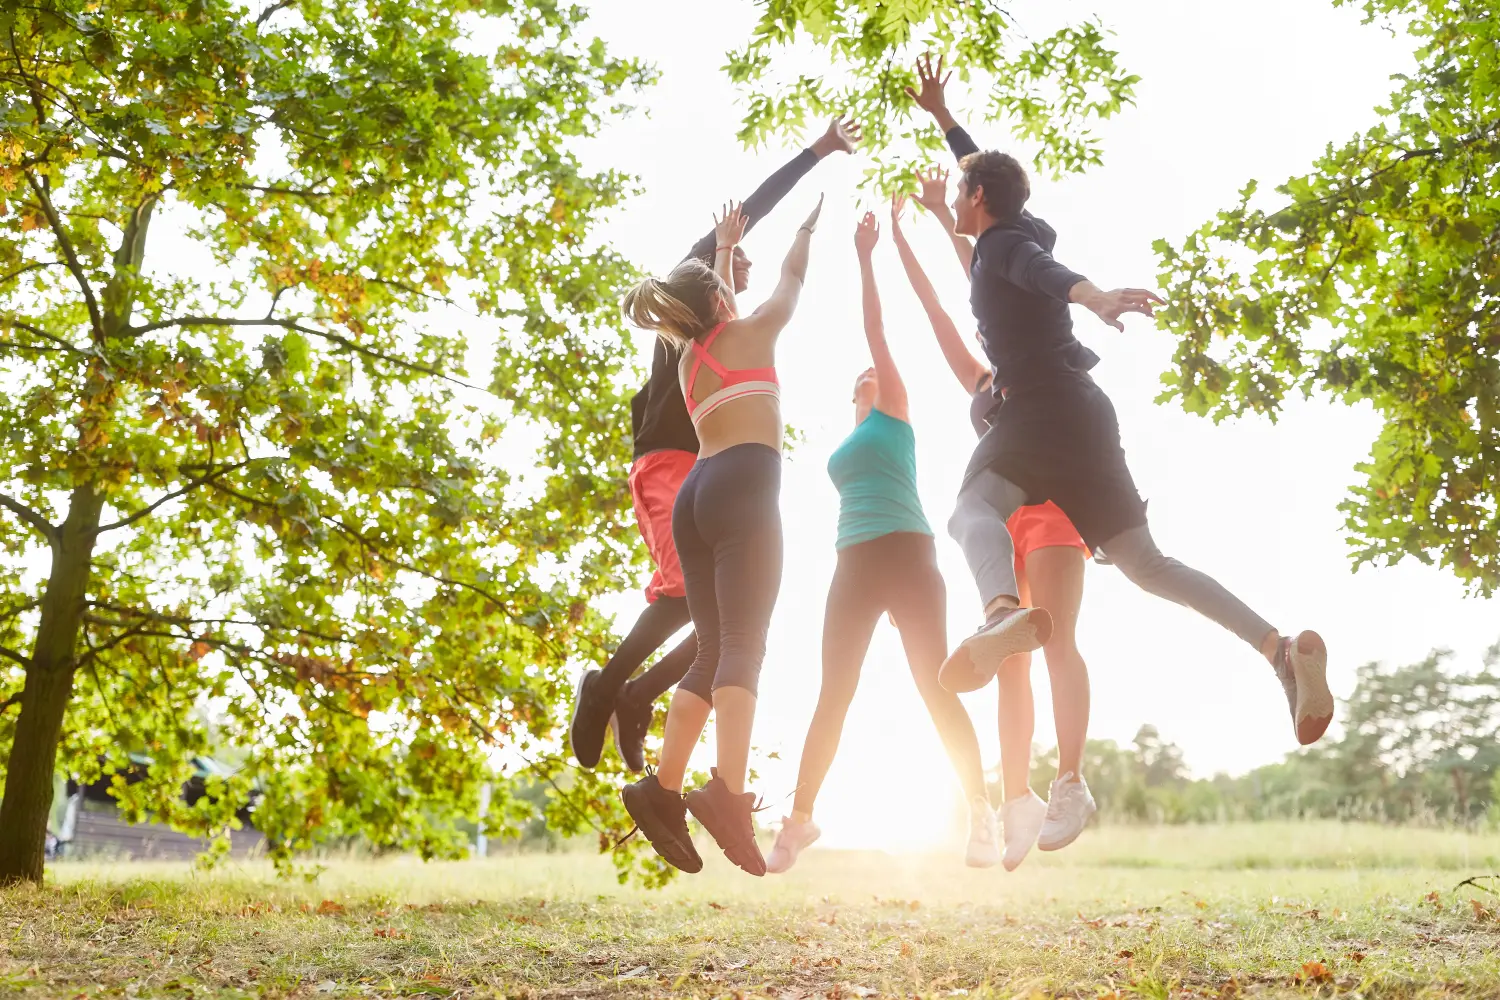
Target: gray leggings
988,500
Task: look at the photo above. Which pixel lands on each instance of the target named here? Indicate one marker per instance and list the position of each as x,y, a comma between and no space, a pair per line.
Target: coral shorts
1041,526
655,478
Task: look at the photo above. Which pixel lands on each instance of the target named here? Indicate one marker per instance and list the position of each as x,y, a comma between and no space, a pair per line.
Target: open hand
866,235
1110,306
841,137
930,97
898,206
933,195
730,229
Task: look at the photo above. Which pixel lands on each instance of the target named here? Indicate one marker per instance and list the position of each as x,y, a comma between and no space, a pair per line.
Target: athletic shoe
984,835
1069,806
1302,666
591,711
792,839
661,815
630,723
1022,819
1009,631
726,817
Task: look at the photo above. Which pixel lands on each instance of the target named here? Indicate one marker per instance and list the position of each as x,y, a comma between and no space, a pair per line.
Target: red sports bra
737,384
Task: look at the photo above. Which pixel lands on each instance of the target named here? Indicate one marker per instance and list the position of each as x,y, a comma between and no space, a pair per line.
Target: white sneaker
791,840
984,835
1022,817
1069,806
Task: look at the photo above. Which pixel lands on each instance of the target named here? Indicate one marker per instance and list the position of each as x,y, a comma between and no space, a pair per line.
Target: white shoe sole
1309,658
977,659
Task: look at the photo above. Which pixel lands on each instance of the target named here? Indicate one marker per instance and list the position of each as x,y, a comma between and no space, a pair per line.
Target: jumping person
887,562
1049,562
666,446
727,528
1054,436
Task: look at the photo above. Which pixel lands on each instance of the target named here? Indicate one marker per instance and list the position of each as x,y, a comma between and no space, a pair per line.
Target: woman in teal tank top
887,563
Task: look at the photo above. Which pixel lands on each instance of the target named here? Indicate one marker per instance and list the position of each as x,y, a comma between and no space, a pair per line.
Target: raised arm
776,312
969,370
840,137
890,395
727,233
929,94
932,194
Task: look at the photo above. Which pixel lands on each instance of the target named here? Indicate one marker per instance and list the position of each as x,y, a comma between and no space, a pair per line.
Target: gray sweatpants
988,500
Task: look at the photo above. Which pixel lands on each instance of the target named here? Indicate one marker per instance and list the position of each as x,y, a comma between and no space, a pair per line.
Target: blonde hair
681,308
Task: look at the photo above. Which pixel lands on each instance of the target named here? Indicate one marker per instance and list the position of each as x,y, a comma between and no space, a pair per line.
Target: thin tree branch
189,487
69,255
289,324
186,620
11,654
19,609
30,267
31,517
14,699
39,332
265,14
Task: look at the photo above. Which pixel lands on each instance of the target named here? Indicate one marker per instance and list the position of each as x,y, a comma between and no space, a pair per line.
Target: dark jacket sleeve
1010,256
960,142
762,200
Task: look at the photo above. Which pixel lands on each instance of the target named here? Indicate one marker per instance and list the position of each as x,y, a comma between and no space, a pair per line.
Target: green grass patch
1272,910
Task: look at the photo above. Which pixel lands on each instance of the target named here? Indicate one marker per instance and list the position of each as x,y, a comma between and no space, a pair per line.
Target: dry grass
1254,910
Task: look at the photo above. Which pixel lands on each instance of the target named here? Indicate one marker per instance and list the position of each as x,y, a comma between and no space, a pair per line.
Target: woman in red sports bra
1049,561
726,524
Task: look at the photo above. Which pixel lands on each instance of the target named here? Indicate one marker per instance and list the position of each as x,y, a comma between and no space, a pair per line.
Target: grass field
1242,910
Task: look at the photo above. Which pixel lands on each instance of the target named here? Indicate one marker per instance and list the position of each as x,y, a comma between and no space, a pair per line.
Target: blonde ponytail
680,309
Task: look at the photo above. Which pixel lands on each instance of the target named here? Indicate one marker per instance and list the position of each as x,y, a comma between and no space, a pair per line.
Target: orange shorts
655,479
1041,526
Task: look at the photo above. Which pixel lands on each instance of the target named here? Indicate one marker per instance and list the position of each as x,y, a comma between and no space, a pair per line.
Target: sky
1229,92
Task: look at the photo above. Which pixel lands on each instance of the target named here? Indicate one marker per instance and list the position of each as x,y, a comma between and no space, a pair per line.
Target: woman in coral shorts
1049,555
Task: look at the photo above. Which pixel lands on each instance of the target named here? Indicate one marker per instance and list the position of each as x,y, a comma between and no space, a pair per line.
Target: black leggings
659,622
896,573
727,527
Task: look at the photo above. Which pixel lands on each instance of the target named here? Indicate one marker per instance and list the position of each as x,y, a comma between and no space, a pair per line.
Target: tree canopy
1044,92
1375,278
253,495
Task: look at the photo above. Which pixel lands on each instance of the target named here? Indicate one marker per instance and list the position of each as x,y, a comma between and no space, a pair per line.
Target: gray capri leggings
988,500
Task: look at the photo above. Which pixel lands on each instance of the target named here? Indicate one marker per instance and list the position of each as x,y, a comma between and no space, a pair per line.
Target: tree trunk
44,699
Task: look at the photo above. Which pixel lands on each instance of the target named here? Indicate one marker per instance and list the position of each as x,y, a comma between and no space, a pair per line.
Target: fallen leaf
1200,904
1482,913
1356,956
717,906
1230,990
906,949
390,932
1125,953
635,973
328,907
1315,972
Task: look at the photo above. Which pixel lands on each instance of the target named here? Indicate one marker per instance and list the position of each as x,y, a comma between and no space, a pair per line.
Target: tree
248,257
1047,91
1375,278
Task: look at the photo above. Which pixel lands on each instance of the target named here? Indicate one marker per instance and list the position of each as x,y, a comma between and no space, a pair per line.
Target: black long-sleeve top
1019,295
658,416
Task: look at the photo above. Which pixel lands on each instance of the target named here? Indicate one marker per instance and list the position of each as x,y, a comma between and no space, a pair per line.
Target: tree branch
66,245
30,267
191,485
14,699
11,654
265,14
39,332
9,613
289,324
31,517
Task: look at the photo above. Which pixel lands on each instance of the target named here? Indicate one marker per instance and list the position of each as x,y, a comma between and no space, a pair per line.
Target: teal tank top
875,471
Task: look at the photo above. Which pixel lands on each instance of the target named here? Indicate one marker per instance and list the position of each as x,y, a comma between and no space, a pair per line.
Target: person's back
729,384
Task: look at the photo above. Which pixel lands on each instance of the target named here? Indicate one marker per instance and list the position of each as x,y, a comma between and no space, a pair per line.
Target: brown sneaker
1302,667
727,818
976,660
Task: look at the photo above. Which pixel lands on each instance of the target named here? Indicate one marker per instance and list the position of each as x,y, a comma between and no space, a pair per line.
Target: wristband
808,228
727,246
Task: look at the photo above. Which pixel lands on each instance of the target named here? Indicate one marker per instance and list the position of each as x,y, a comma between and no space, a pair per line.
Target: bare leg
734,714
1017,715
1055,574
686,718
